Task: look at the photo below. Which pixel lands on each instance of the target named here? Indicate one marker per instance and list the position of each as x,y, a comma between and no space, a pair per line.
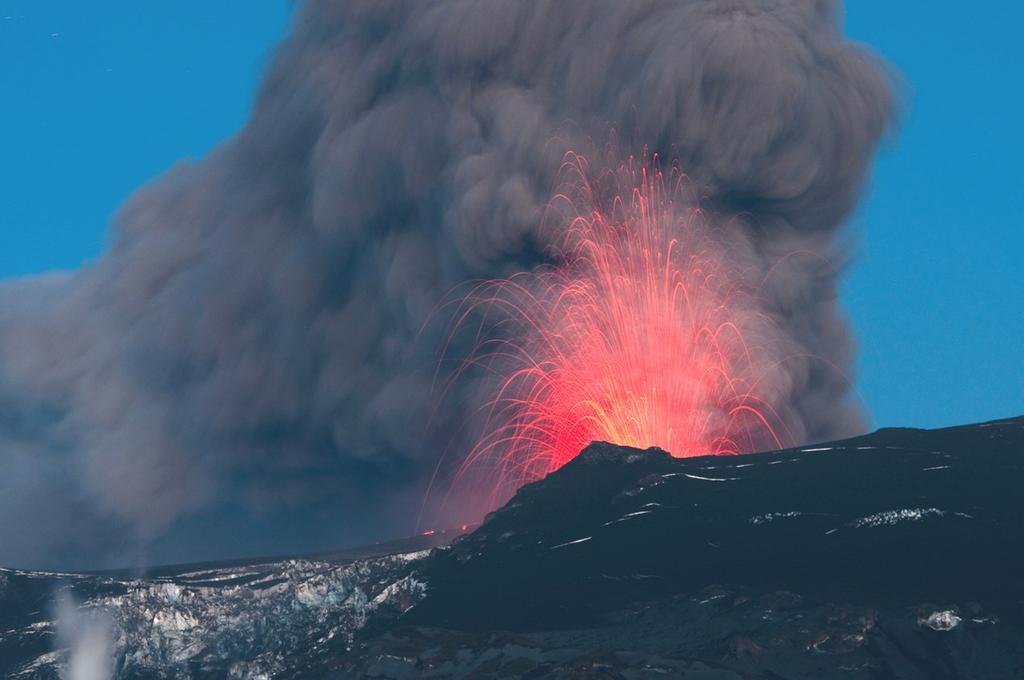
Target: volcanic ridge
897,554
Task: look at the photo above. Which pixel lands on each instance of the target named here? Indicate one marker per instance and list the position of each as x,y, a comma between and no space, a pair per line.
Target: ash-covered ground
893,555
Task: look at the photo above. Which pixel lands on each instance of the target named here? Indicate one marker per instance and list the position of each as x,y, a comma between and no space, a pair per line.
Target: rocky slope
894,555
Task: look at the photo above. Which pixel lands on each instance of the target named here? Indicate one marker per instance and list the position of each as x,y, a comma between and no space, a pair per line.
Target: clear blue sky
98,98
937,291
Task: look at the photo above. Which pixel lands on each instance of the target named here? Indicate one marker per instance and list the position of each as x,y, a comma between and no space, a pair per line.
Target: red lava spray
641,333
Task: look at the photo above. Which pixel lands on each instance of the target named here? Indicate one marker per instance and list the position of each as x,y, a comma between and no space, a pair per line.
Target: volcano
897,554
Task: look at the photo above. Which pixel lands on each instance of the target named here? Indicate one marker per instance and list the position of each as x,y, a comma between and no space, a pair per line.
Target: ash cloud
252,337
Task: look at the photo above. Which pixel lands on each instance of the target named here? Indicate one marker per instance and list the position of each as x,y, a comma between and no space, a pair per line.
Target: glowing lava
642,333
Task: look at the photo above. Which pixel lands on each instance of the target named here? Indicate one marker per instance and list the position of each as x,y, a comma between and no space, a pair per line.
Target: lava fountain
642,332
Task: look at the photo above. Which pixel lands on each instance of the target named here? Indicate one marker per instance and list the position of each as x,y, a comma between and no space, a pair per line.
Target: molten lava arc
642,332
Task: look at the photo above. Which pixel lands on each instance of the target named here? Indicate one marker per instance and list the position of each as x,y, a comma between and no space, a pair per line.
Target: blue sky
936,293
99,98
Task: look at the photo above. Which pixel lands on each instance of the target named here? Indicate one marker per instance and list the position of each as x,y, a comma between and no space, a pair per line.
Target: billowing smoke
251,340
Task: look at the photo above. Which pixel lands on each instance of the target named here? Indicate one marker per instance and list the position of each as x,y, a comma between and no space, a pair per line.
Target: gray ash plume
251,337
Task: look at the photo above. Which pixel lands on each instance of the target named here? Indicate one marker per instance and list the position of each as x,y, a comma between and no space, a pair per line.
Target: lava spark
642,332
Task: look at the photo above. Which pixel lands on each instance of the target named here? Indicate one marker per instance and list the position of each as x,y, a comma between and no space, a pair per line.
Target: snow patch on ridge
578,540
891,517
772,516
943,621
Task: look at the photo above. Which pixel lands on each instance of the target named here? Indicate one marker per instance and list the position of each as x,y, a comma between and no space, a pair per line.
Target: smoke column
254,336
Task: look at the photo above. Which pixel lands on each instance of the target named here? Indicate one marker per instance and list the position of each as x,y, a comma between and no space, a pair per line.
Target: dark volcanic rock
893,555
890,519
898,554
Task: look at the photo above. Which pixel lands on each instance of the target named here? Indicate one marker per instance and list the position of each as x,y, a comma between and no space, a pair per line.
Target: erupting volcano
401,274
643,332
